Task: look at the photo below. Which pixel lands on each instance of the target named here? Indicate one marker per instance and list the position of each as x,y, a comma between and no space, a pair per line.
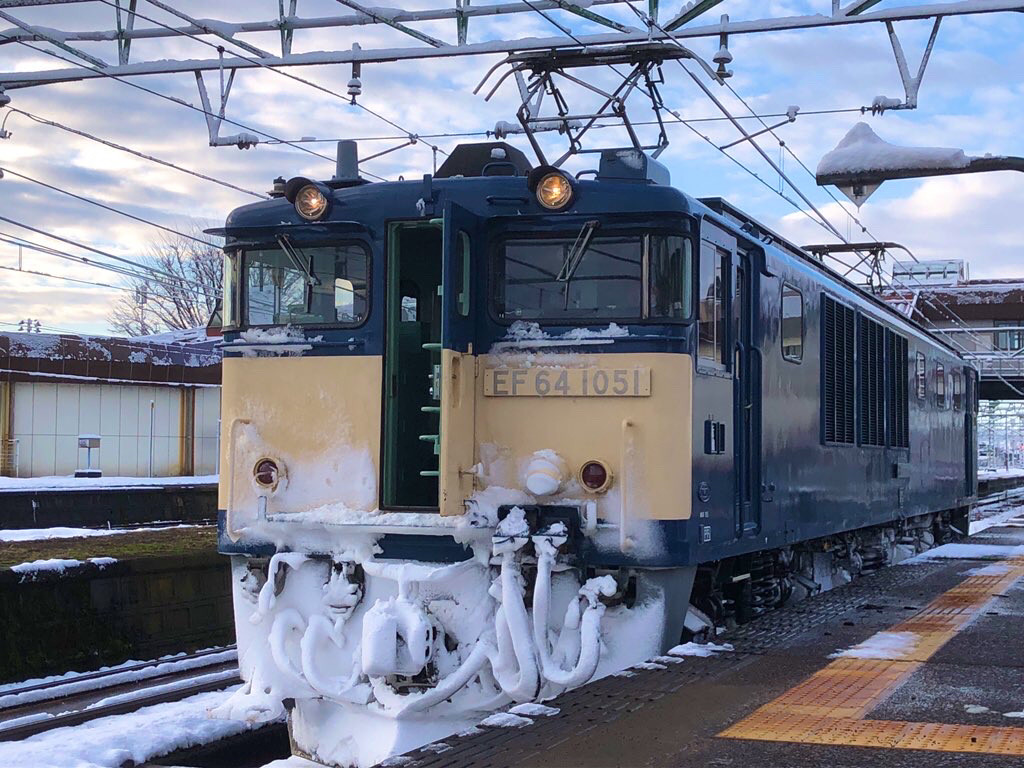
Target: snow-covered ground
110,742
60,532
985,473
68,482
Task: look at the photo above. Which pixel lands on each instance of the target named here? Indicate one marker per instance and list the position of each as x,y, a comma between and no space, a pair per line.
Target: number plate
567,382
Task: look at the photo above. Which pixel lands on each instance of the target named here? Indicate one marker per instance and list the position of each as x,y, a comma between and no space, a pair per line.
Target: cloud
968,100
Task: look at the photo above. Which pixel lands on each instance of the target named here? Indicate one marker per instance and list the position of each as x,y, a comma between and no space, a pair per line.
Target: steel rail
21,730
104,673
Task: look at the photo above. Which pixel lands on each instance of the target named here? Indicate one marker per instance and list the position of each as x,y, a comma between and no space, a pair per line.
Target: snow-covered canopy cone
861,150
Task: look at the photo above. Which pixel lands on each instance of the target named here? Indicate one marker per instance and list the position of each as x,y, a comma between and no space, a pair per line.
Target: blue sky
970,98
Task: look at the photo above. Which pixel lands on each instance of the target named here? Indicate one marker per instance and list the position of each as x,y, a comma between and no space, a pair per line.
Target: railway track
32,709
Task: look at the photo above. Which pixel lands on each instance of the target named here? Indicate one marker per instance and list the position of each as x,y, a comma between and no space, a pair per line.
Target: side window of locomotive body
792,323
711,328
671,267
328,286
921,377
463,256
940,385
229,306
957,386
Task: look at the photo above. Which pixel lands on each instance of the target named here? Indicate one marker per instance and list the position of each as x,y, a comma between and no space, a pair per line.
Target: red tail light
594,476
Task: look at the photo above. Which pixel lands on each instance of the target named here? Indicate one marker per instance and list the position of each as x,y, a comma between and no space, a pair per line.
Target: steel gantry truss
646,22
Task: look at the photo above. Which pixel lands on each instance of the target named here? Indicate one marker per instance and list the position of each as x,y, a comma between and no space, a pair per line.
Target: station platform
919,665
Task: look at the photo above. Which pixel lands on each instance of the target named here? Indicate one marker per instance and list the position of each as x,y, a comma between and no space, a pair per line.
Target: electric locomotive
498,431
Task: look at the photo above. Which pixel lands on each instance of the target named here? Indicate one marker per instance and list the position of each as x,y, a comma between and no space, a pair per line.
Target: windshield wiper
578,250
293,256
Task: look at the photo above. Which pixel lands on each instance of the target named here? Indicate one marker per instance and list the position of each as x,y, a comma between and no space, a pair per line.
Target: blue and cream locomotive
497,431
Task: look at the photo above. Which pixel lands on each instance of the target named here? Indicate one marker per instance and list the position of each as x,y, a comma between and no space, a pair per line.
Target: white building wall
47,419
207,431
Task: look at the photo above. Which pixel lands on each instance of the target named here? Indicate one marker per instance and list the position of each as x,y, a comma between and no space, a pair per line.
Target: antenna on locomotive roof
347,169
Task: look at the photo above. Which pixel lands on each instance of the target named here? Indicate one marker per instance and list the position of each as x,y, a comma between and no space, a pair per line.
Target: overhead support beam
691,13
287,30
45,35
439,49
389,21
859,7
217,30
591,16
290,23
124,28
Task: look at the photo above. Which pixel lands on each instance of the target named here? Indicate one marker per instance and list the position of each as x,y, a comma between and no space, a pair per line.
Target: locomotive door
746,370
457,441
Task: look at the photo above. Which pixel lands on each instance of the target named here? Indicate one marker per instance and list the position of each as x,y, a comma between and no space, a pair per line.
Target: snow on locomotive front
455,443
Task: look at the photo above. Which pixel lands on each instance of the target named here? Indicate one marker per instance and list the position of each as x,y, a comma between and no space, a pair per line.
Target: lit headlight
554,191
311,203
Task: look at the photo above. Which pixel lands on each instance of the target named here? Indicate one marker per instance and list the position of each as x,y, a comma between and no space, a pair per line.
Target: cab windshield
299,285
592,276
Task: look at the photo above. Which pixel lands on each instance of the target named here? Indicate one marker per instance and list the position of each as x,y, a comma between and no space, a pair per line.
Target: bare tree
157,302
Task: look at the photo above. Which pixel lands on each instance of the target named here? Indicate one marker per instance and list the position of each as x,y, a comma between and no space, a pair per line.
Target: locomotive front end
456,439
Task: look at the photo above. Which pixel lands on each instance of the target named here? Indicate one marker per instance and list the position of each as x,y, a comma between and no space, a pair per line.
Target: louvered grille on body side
898,390
837,371
871,395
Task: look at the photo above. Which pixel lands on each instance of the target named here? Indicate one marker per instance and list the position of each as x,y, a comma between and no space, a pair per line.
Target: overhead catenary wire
289,75
172,99
97,203
160,274
136,153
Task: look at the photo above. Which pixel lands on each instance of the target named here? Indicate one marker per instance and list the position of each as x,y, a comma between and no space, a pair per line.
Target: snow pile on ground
59,565
532,709
699,649
59,532
506,720
862,150
883,645
67,482
110,742
963,551
1000,518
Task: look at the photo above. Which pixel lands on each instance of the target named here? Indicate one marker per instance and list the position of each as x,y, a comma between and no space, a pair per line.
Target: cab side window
792,323
714,272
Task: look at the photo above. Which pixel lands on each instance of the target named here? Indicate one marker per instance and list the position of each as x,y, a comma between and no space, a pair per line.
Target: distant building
982,318
143,397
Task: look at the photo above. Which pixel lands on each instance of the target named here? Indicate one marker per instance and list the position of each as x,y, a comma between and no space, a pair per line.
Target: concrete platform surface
935,680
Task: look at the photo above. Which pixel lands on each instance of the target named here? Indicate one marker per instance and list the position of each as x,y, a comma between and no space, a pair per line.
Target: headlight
311,203
554,191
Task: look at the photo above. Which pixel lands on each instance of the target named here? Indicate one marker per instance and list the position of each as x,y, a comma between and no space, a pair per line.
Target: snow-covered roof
104,358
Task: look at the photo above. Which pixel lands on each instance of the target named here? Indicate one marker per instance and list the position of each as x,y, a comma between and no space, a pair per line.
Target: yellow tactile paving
829,707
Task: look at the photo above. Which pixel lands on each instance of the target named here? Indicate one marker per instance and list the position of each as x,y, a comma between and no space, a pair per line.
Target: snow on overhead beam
14,80
77,358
